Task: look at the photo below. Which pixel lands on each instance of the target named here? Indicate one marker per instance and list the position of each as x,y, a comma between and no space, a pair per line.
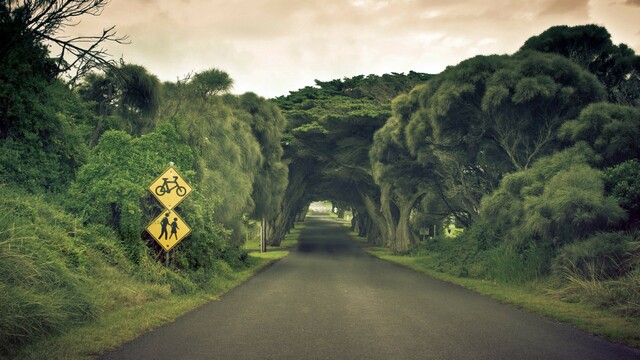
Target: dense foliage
329,132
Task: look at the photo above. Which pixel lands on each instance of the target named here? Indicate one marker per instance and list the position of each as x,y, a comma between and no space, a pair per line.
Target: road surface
331,300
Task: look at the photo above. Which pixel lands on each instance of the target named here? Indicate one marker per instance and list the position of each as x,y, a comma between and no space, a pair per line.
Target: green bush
558,200
611,130
623,183
42,123
464,255
56,272
572,206
111,188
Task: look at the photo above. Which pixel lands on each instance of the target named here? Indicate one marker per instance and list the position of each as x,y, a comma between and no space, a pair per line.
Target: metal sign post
263,235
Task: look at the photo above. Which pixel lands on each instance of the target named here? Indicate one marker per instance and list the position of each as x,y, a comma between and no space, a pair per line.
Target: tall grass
42,289
56,273
619,294
511,267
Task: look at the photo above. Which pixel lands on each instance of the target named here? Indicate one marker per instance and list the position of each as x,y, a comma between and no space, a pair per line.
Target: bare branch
44,19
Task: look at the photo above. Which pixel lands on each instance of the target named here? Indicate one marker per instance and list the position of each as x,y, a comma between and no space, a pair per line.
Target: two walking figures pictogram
164,223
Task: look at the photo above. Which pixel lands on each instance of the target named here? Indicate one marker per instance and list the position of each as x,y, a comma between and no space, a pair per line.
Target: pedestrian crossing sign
168,229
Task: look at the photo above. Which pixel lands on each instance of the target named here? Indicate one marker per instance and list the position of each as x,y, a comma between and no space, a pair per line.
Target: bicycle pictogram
164,188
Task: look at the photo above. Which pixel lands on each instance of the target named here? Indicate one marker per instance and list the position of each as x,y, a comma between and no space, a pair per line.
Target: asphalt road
330,300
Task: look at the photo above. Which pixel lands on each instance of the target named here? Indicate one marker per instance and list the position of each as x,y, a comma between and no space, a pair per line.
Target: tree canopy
590,46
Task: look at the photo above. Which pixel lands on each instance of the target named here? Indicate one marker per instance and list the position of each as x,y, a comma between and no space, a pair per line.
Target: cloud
272,47
633,2
567,7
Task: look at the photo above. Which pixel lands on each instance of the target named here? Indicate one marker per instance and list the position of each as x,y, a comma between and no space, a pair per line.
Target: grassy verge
289,242
533,296
124,324
126,321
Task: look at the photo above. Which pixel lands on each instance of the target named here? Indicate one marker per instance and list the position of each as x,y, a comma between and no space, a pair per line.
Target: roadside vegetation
79,144
71,292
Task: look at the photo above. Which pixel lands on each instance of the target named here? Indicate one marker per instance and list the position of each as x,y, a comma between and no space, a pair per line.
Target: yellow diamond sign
168,229
170,188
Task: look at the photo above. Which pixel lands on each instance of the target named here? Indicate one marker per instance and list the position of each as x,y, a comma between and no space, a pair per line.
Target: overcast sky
272,47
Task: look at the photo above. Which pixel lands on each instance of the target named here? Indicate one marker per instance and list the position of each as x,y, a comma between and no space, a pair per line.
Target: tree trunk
386,204
355,222
285,219
404,236
397,212
373,234
302,215
376,227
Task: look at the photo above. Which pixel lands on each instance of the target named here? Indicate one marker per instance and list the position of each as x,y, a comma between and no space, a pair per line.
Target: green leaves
528,89
111,188
559,200
611,130
310,128
590,46
43,136
210,82
623,182
495,97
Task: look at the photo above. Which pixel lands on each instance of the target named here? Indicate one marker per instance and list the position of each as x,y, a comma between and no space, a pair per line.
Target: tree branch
43,20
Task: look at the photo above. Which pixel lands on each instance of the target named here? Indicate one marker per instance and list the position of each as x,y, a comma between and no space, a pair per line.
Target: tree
42,124
403,181
528,102
138,97
335,136
590,46
211,82
582,44
124,98
227,158
267,125
330,130
492,115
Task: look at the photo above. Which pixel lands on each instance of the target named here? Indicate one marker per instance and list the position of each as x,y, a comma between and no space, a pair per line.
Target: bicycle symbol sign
170,188
166,189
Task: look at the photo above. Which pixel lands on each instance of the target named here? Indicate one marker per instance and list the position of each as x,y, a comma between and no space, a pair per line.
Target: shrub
111,188
464,255
508,265
623,183
556,201
572,206
602,256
